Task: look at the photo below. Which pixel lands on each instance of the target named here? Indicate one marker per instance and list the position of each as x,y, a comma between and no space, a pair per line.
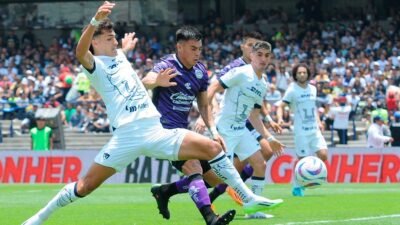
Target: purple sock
221,188
247,172
182,185
199,194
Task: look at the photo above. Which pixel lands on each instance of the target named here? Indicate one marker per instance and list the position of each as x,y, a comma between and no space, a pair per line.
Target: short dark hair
252,34
261,45
296,68
187,33
105,24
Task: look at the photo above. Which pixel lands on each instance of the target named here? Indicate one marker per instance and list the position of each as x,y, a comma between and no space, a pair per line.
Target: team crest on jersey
198,74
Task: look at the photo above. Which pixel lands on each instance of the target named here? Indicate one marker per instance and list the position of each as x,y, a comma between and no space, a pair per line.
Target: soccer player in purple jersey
138,130
246,170
190,81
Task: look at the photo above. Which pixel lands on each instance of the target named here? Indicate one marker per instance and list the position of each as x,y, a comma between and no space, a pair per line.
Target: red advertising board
344,165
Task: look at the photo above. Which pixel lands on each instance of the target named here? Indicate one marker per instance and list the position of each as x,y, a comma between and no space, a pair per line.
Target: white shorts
243,146
308,145
144,137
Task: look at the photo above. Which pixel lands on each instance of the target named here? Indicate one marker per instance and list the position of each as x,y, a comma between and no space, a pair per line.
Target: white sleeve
288,97
231,78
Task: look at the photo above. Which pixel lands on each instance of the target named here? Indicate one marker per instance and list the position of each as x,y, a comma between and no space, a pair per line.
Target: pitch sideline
346,220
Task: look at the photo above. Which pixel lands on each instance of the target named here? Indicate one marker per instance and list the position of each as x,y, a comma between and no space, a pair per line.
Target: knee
192,167
214,148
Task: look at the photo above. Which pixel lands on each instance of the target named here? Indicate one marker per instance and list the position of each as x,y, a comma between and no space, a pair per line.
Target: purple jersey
235,63
174,103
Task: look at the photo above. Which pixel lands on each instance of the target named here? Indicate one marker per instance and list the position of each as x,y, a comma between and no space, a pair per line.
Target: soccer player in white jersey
301,98
138,130
245,87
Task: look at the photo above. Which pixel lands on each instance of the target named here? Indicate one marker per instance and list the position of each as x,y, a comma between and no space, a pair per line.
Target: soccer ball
310,172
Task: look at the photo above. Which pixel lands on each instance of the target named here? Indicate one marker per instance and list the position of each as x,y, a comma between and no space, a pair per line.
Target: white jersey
122,91
302,101
244,92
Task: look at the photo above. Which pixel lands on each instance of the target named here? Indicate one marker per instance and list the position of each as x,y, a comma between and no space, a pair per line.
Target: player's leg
71,192
221,188
302,150
196,187
123,147
195,145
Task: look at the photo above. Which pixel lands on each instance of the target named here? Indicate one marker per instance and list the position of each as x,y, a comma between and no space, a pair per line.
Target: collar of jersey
180,64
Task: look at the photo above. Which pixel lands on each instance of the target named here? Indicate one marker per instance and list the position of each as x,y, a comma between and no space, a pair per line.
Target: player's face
247,46
302,75
105,44
260,59
189,52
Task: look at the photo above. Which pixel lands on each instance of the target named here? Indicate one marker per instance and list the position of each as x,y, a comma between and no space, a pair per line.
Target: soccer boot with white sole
258,215
260,204
224,219
232,193
162,202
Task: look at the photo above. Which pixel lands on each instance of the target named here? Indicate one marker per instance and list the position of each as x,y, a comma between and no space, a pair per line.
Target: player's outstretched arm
128,42
82,49
162,79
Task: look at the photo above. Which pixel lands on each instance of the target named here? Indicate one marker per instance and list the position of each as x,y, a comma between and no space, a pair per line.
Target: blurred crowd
354,63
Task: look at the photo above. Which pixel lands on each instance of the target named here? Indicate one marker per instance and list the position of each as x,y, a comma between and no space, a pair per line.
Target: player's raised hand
277,147
129,41
275,127
104,10
164,78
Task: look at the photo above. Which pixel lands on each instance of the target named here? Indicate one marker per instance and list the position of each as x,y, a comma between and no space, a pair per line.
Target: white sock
257,185
65,196
225,170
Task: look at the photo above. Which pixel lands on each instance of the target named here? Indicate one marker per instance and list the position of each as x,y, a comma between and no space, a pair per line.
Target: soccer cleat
260,204
298,192
258,215
232,193
162,202
224,219
34,220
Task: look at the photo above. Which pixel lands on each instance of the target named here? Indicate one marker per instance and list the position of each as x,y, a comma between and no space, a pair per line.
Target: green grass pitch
132,204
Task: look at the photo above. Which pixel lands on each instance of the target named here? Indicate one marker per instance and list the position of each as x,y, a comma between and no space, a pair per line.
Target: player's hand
164,78
277,147
216,137
104,10
275,127
200,126
129,41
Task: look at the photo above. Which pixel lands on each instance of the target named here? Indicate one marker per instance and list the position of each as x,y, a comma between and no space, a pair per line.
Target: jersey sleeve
288,97
95,70
160,66
230,79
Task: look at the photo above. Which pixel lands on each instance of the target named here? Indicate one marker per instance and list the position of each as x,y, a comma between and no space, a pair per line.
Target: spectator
381,112
41,136
273,95
340,116
376,139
